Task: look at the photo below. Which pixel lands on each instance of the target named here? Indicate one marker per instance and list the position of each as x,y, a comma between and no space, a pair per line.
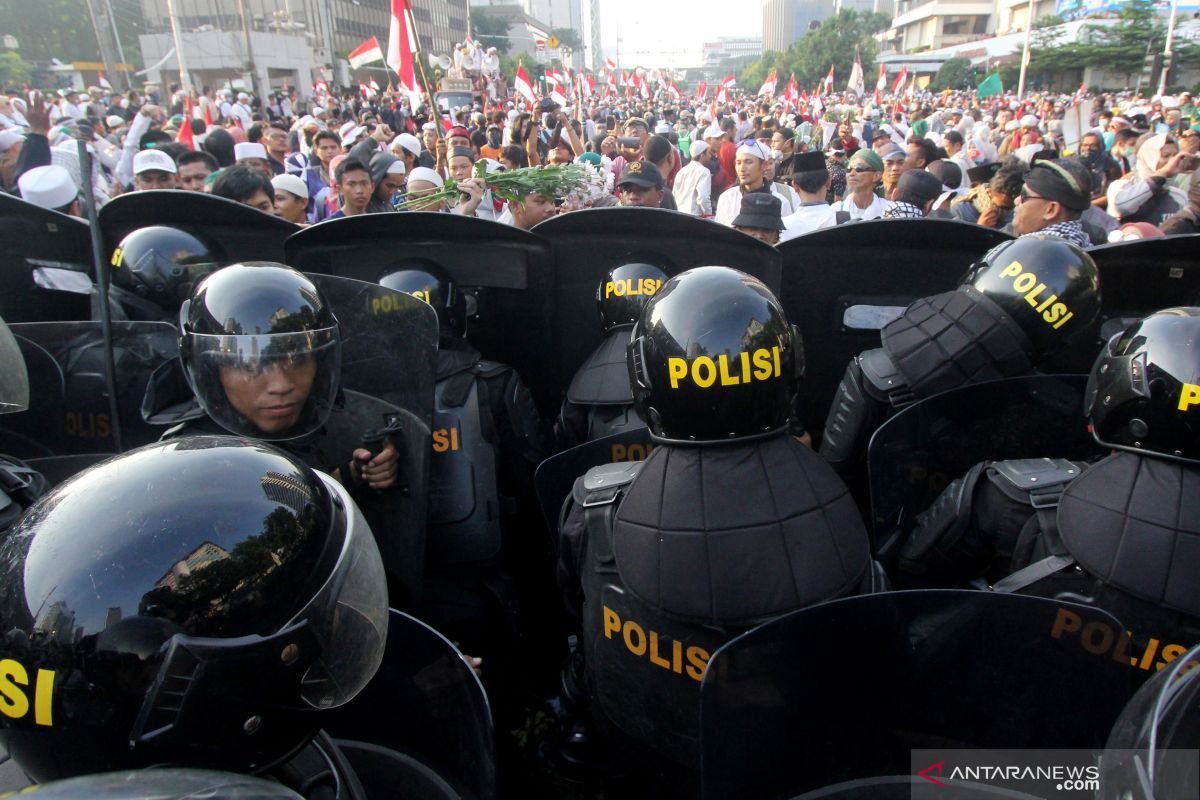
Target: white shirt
807,219
730,203
693,190
243,113
873,211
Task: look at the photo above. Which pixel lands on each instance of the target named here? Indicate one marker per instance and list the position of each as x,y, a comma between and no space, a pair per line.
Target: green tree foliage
568,37
831,44
50,29
490,31
14,70
954,74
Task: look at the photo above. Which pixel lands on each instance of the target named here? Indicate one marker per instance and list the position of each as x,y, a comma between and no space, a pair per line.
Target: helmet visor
348,616
14,380
267,386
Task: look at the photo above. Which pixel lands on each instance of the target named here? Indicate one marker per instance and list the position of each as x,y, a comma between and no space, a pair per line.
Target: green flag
990,85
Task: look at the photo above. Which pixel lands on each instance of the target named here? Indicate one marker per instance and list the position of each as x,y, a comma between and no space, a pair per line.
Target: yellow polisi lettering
43,694
704,372
627,287
1189,397
13,702
1055,313
658,649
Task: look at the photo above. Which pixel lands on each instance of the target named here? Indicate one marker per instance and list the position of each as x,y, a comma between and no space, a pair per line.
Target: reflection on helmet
1144,391
14,378
261,349
713,359
233,592
1046,285
428,281
162,264
163,783
624,292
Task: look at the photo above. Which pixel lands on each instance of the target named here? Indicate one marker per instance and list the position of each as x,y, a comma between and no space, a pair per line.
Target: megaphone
440,61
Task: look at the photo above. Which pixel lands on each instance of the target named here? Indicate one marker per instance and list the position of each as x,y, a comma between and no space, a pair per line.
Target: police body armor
599,401
20,487
658,602
1120,535
465,505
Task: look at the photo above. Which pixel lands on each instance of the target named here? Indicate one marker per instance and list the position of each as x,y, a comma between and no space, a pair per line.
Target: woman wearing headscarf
1147,196
1101,167
1187,220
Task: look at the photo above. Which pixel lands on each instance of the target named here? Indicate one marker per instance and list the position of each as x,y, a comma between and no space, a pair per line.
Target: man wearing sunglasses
861,202
1055,195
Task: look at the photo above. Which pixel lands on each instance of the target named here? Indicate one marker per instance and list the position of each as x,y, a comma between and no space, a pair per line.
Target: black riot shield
235,232
68,406
589,243
842,284
843,692
47,267
916,453
423,717
1137,278
507,269
556,475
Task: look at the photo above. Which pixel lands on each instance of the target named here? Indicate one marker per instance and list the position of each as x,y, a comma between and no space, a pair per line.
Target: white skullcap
153,159
713,132
291,183
249,150
113,121
1011,125
662,127
409,142
49,187
426,174
396,168
698,148
1029,121
753,148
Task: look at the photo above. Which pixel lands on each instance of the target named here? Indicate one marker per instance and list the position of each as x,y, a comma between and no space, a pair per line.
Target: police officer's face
271,398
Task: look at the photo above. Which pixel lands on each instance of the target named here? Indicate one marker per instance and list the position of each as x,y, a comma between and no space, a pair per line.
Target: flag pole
1025,52
433,109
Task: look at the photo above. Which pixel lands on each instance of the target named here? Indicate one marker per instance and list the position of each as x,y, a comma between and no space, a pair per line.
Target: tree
833,43
568,37
490,31
14,70
50,29
954,74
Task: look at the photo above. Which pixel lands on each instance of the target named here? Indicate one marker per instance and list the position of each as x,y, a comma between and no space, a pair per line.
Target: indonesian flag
645,89
900,79
612,65
402,43
856,83
792,92
729,82
804,95
558,92
829,80
366,53
624,79
208,121
702,90
912,87
374,87
722,94
523,86
674,90
768,86
880,84
1079,95
365,90
185,135
818,106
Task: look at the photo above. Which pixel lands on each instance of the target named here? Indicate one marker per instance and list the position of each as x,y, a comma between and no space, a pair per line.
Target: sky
657,33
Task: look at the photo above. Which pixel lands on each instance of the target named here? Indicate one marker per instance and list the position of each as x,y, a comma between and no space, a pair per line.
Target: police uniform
1016,307
1123,533
728,523
599,402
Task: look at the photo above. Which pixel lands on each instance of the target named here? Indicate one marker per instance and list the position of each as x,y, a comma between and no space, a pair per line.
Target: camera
629,141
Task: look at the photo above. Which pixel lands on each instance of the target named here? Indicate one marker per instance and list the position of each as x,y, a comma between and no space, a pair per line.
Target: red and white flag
702,90
645,87
185,135
722,94
624,78
1079,95
402,43
768,86
829,81
612,65
523,85
365,90
792,92
900,79
674,90
374,87
366,53
729,82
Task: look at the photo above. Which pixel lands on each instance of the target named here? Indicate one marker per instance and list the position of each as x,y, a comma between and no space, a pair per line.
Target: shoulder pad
1041,478
602,484
490,369
880,371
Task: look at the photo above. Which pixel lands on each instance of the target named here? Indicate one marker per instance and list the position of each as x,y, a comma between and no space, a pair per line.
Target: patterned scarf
1071,230
900,210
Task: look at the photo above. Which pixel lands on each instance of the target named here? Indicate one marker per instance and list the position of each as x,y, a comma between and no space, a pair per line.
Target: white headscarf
1149,154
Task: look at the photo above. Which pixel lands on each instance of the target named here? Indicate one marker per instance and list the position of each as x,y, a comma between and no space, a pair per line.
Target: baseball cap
641,173
147,160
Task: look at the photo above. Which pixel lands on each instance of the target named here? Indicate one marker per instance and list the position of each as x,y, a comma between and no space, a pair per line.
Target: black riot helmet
14,378
162,265
1144,391
713,359
624,292
196,602
261,349
1046,285
428,281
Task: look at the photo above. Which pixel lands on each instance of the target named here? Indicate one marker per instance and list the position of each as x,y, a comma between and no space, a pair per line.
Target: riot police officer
1014,309
729,522
598,401
20,485
1119,533
261,350
154,269
233,600
487,440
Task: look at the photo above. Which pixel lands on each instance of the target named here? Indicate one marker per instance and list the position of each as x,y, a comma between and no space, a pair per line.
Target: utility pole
123,77
1166,61
1025,52
249,50
104,36
185,81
